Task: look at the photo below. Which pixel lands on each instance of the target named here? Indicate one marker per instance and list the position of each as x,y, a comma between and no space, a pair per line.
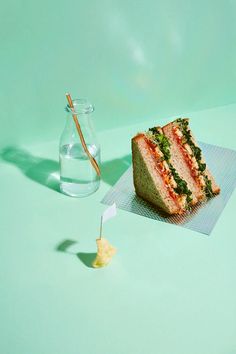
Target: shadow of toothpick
66,247
87,258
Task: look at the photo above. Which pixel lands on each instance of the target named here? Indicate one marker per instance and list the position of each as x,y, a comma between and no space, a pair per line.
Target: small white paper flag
109,213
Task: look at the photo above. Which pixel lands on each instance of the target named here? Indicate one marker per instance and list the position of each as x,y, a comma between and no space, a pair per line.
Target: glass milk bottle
78,178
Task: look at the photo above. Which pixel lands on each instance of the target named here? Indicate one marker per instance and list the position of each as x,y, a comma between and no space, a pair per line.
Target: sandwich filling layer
161,146
193,155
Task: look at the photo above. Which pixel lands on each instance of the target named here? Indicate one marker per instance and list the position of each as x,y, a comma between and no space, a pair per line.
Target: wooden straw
91,158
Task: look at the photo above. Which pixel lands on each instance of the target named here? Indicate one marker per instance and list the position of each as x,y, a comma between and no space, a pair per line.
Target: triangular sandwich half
169,169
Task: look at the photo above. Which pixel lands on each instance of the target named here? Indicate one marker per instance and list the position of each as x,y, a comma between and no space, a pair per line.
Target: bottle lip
81,106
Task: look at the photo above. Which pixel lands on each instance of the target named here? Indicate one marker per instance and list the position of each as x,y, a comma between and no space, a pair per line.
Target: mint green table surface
168,290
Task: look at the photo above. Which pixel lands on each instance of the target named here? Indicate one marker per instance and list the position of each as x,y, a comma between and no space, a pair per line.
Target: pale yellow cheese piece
104,254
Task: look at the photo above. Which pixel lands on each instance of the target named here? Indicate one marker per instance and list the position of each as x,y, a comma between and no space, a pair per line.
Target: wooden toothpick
100,236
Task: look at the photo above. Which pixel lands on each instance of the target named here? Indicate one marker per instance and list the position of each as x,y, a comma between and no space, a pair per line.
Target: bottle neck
86,126
82,110
82,118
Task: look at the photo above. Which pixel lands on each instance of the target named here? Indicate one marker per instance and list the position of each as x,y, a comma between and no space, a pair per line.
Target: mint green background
133,59
168,290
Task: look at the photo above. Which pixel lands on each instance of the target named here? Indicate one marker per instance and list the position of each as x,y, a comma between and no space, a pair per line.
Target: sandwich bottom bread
169,170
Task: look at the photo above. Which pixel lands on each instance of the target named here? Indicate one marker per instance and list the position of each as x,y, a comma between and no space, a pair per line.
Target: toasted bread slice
148,179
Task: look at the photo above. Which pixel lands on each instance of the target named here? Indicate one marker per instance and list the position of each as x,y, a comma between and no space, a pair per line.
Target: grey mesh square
203,217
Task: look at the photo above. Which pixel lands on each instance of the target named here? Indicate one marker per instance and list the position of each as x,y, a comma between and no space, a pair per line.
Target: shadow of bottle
112,170
38,169
46,171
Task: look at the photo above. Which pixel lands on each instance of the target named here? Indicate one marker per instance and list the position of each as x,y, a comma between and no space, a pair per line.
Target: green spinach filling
208,188
164,145
197,153
162,141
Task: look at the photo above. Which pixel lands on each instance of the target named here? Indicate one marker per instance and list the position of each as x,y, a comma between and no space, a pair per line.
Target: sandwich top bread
169,169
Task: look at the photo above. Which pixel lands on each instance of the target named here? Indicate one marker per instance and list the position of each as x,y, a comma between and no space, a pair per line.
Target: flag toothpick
105,250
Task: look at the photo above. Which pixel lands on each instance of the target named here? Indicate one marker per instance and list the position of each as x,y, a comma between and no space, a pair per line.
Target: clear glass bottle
78,177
